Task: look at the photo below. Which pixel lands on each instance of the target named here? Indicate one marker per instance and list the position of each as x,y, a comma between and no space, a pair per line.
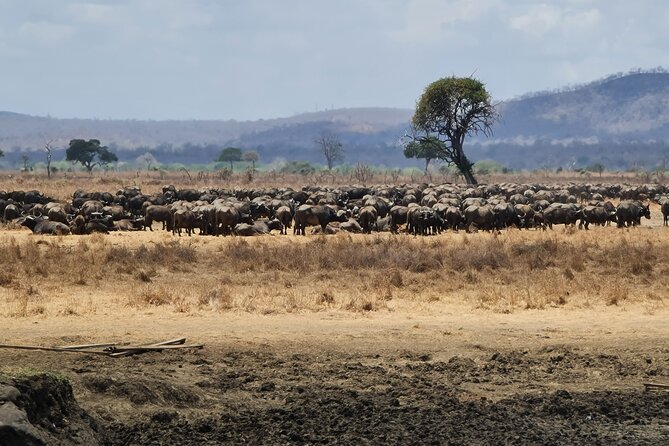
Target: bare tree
363,173
25,159
329,145
148,159
49,152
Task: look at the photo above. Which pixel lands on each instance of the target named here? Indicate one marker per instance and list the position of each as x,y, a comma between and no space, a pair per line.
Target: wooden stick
177,341
156,348
78,347
52,349
655,387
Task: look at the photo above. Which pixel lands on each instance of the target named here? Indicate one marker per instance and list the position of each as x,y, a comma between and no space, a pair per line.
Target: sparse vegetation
514,271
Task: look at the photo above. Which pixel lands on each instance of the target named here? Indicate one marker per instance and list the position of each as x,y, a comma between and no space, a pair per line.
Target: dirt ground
545,377
428,372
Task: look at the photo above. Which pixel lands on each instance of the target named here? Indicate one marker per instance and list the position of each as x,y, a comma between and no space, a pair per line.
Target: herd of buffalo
415,209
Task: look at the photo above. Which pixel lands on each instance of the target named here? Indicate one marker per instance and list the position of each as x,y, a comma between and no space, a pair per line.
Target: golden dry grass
509,272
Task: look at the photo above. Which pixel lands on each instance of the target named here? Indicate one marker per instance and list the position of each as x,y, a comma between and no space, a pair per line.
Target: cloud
46,33
543,19
428,21
92,13
538,20
179,14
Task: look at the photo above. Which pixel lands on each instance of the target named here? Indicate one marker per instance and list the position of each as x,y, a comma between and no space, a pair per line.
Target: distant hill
620,121
634,106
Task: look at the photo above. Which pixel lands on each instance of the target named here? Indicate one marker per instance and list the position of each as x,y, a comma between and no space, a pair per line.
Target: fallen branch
111,349
152,348
79,347
53,349
655,387
177,341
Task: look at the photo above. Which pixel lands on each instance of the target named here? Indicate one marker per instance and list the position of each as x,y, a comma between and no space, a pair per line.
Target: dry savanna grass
508,272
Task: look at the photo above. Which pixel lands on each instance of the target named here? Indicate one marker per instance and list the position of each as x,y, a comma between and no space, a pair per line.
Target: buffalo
629,213
183,219
367,218
157,213
257,228
479,217
45,227
308,215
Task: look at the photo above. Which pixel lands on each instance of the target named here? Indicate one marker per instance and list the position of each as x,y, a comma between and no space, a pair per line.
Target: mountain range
620,121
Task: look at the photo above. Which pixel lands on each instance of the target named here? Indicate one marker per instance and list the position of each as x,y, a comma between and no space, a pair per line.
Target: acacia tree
230,154
450,109
89,153
429,149
252,157
329,145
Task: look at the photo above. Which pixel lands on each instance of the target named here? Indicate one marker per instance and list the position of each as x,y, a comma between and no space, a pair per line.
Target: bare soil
538,377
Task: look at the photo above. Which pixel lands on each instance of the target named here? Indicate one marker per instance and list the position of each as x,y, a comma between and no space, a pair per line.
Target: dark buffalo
227,217
381,204
665,212
129,225
351,225
285,215
11,212
101,225
629,213
45,227
307,215
135,204
596,215
257,228
453,218
423,220
91,208
398,216
560,213
157,213
479,217
505,215
525,214
183,219
367,218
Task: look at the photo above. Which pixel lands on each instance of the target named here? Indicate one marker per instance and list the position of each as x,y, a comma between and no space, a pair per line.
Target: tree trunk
427,164
469,175
464,166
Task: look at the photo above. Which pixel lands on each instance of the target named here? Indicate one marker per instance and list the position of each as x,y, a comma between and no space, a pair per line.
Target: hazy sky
250,59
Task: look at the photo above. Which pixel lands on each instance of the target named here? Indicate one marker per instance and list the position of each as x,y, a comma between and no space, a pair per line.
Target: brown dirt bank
536,377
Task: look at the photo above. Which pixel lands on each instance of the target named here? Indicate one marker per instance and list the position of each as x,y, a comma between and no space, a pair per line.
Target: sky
260,59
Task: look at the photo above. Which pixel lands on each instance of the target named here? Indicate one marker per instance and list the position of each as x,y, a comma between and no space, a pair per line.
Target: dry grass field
507,272
488,338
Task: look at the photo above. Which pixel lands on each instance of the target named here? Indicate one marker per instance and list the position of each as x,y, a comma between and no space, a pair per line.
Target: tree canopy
450,109
89,153
429,149
230,154
251,156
